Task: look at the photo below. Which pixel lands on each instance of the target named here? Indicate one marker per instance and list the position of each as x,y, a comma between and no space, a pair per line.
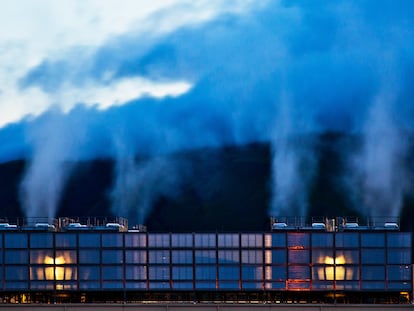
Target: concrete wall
202,307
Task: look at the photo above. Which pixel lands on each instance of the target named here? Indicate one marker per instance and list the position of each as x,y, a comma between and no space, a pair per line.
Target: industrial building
330,260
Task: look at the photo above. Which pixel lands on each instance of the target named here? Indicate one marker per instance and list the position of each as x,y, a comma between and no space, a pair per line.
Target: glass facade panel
136,285
230,285
159,272
182,240
298,256
135,256
229,257
112,256
299,272
370,285
252,256
87,256
16,285
159,285
65,240
278,256
39,273
276,273
89,273
347,240
41,240
252,272
323,256
182,273
399,256
159,240
373,273
327,285
87,285
15,240
112,240
252,240
248,265
206,273
41,285
347,285
16,257
66,273
89,240
332,272
205,240
112,285
298,240
229,272
42,257
135,240
66,285
182,257
65,257
112,273
136,272
161,256
372,240
252,285
350,273
205,256
16,273
182,285
276,285
322,239
205,285
228,240
399,273
402,286
400,239
298,284
347,256
373,256
279,240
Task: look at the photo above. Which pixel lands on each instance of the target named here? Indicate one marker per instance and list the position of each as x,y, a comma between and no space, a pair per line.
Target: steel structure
310,263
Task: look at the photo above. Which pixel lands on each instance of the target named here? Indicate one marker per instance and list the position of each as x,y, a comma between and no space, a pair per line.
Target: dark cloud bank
282,75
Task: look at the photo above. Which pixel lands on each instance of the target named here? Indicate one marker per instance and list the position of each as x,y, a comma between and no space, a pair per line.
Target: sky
91,79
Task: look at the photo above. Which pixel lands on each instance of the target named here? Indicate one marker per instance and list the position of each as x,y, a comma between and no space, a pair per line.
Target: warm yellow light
60,260
49,260
57,273
334,269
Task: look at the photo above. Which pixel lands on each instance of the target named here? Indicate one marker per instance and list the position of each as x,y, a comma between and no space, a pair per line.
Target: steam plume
381,161
293,162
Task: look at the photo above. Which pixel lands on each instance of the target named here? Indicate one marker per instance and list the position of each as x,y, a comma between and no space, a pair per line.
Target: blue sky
89,79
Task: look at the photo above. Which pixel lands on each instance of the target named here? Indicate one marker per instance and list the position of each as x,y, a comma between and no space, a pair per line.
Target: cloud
68,33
